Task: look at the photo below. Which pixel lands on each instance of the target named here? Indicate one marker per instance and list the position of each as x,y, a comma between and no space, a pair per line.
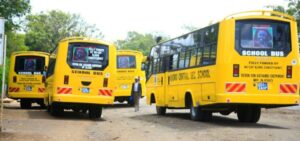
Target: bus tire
197,114
56,110
48,108
256,111
95,112
161,110
25,104
244,113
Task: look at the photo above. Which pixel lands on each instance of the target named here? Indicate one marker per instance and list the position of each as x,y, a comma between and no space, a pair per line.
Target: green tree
44,30
137,41
293,9
12,11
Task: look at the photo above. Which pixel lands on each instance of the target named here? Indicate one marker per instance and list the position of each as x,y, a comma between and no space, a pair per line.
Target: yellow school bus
129,66
26,80
81,76
241,64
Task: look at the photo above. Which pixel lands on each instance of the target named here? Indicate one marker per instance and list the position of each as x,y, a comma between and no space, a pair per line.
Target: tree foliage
137,41
44,30
12,10
293,9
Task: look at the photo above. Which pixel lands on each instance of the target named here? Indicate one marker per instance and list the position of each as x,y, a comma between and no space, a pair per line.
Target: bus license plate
28,88
262,86
85,90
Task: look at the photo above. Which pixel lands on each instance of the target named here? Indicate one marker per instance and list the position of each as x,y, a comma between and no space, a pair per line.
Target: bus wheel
161,110
256,110
245,113
197,114
95,112
48,108
25,104
56,110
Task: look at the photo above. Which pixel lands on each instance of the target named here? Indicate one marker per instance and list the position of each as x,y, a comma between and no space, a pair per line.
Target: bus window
181,60
51,67
126,62
174,61
263,35
187,58
193,57
29,64
87,56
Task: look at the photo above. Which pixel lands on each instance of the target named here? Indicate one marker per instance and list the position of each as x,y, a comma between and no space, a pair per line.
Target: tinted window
29,64
271,38
51,67
87,56
126,62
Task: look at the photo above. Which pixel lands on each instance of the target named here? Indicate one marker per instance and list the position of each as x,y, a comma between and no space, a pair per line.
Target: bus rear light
66,79
289,71
14,79
105,82
236,70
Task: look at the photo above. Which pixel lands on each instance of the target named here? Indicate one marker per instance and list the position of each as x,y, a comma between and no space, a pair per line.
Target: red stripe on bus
233,87
68,91
61,90
108,92
290,88
102,92
282,89
228,85
242,88
295,86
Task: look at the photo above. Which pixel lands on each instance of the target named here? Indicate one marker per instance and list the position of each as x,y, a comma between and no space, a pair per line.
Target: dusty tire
256,111
161,110
244,113
95,112
56,110
25,104
197,114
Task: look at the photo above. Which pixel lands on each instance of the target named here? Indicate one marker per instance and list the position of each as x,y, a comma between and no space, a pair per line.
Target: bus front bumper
71,98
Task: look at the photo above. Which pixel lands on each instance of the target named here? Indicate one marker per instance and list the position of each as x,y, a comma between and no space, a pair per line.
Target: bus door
160,80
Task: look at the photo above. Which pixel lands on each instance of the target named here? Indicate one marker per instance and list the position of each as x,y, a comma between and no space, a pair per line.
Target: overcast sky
116,17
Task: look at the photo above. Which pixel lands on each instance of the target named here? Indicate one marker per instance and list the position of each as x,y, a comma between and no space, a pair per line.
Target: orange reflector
105,92
235,87
288,88
64,90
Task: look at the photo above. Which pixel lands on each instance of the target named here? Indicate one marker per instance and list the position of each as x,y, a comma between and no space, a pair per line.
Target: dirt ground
121,123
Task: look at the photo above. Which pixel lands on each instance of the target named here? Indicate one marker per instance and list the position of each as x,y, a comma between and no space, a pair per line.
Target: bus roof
84,39
129,51
240,14
30,53
260,13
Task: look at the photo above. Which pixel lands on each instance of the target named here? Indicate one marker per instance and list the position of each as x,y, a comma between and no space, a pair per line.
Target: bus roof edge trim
262,12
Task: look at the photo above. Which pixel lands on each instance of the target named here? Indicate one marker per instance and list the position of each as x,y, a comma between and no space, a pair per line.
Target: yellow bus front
26,77
129,66
259,61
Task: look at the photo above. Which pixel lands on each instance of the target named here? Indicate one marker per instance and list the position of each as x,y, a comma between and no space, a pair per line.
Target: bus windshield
262,38
125,62
29,64
87,56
